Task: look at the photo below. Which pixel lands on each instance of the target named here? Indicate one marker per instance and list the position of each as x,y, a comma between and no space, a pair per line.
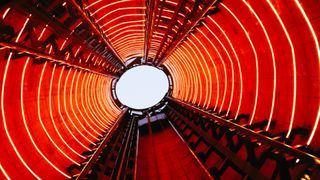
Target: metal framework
70,39
102,145
83,13
152,6
223,140
115,155
220,144
186,15
77,35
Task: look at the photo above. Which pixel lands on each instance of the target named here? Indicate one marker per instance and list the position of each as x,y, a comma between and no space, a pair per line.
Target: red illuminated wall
51,112
252,57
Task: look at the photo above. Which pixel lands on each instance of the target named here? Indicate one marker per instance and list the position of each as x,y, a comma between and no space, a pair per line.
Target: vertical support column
152,6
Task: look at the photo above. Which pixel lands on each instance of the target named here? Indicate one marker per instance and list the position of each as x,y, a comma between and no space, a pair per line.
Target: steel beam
152,7
44,18
231,156
282,147
96,154
180,6
95,27
59,28
190,22
48,57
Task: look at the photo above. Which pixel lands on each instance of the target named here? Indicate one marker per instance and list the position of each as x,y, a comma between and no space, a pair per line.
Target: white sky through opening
142,87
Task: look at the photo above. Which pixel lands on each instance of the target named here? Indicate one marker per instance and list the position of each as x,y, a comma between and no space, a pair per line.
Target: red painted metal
246,57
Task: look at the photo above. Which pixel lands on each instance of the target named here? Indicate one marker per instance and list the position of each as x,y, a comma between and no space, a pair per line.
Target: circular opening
142,87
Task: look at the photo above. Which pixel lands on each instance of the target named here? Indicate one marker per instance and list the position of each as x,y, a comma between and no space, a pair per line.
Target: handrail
303,156
96,154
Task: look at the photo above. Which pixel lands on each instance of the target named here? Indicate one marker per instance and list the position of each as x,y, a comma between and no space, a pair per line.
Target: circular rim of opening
156,105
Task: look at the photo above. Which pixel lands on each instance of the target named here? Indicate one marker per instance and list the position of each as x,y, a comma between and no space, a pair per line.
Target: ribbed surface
50,114
260,58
